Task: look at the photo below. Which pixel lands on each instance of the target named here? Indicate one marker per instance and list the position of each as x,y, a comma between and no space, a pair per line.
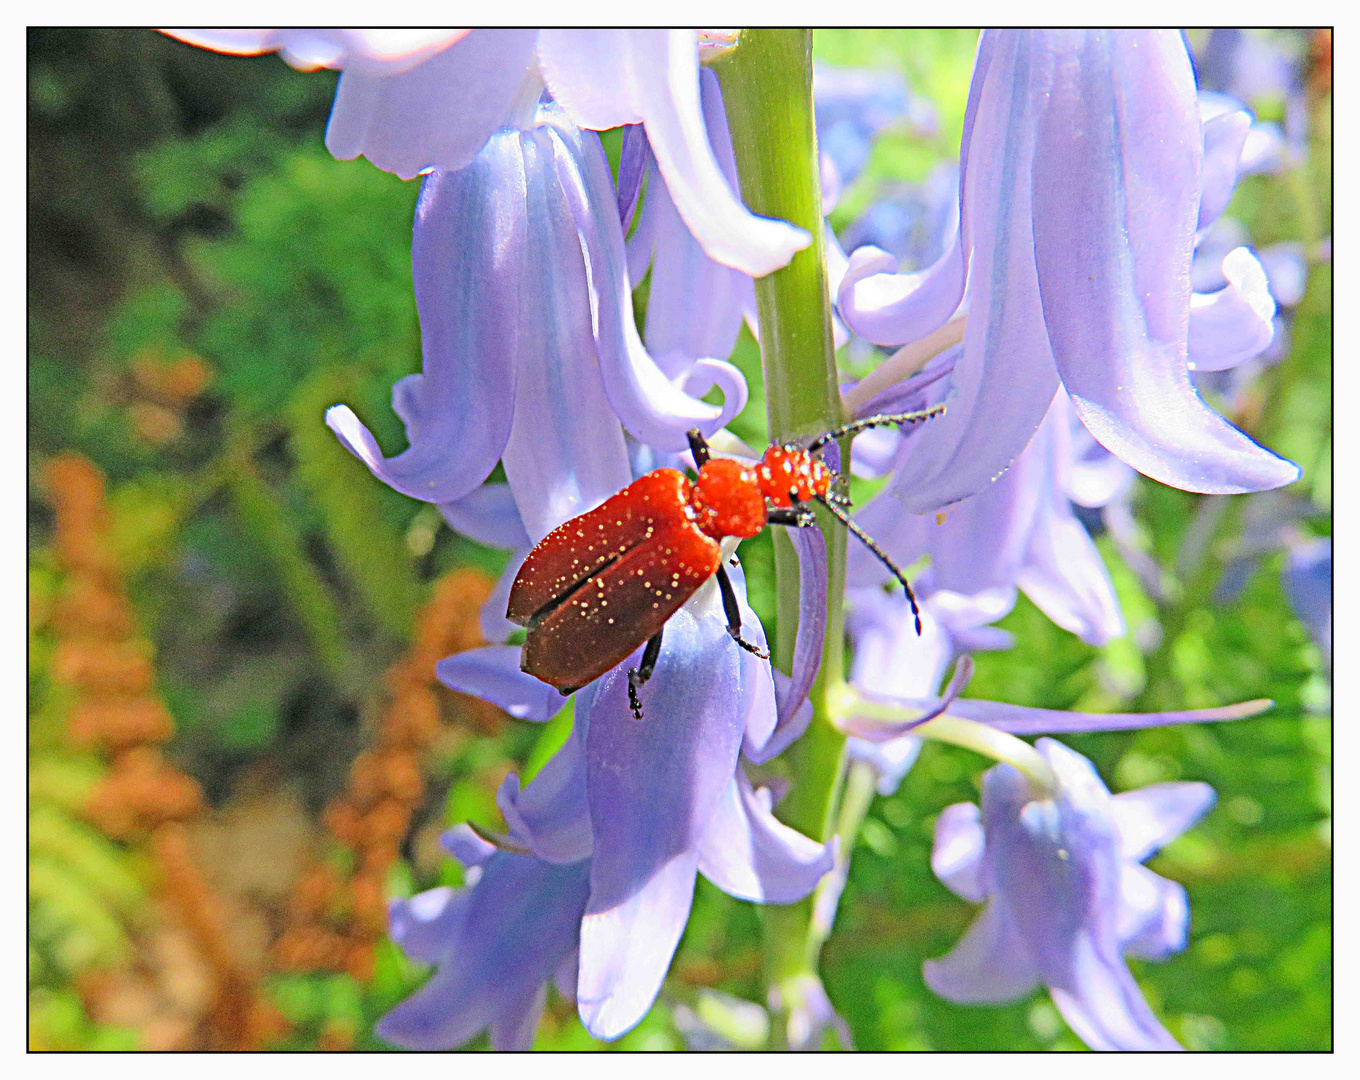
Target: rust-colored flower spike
142,798
334,924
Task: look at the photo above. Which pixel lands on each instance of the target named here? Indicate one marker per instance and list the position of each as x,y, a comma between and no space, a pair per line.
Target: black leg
729,598
640,674
698,447
794,517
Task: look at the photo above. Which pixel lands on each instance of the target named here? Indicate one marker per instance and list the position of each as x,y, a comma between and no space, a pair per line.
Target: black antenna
882,556
883,420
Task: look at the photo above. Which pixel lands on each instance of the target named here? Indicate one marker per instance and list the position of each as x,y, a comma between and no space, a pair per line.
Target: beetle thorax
784,469
727,501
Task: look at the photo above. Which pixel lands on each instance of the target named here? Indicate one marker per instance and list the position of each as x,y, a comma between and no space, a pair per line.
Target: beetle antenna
883,420
882,556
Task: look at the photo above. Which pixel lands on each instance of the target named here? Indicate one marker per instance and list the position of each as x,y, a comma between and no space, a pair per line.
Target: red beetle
598,586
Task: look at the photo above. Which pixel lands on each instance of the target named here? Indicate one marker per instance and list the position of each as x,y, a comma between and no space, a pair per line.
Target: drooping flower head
1065,895
1080,189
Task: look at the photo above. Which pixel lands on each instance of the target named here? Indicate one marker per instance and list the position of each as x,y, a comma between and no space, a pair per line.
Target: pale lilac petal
1287,270
466,846
427,924
627,947
1065,576
1153,816
605,78
488,514
566,452
633,158
491,620
459,414
515,1028
1237,322
810,546
550,817
1104,1006
1224,136
653,786
389,50
695,306
757,676
787,731
438,114
1154,914
1113,246
521,920
894,309
957,857
654,409
1023,720
493,673
990,964
748,853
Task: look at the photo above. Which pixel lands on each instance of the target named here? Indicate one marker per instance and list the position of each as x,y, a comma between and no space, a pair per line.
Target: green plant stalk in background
767,93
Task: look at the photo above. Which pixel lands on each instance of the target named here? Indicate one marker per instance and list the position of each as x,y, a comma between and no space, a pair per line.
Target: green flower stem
767,93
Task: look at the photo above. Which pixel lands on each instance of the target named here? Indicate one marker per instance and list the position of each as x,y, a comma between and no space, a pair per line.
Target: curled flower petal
695,306
1114,258
1237,322
1154,914
652,407
1153,816
893,309
605,78
466,846
957,854
458,415
493,673
1224,135
748,853
425,925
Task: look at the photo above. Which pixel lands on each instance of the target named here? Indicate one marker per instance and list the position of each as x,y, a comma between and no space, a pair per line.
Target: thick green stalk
767,93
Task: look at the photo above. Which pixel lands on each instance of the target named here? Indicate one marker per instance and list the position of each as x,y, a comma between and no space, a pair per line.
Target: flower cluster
1057,324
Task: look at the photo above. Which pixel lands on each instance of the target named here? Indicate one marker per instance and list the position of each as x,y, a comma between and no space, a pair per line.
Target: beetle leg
795,517
729,599
640,674
698,447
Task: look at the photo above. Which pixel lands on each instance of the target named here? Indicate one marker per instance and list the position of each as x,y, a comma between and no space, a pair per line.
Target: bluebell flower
1065,895
412,101
1080,192
1019,531
650,805
531,354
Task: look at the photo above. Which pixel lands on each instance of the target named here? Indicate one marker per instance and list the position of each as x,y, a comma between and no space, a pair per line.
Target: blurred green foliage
184,205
